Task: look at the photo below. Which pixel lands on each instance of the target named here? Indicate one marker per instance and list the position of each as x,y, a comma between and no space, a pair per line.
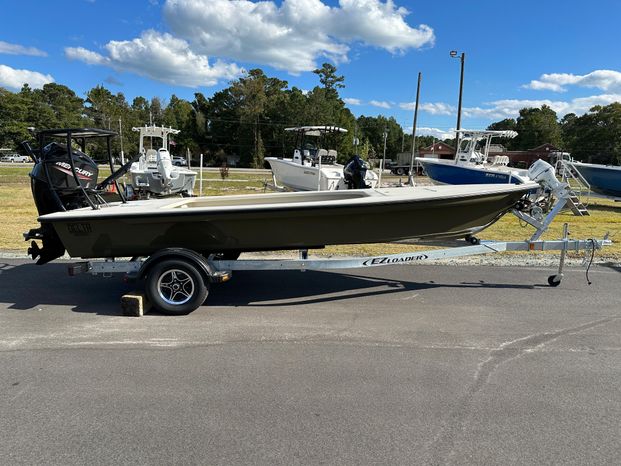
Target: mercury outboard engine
54,189
355,172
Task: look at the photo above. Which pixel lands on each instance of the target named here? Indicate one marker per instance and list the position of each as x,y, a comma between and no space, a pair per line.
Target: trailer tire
175,286
400,171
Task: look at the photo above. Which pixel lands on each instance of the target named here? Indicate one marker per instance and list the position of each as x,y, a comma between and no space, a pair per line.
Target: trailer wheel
175,286
400,171
554,280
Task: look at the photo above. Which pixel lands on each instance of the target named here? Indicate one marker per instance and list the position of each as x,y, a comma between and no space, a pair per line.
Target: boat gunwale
521,172
369,200
596,166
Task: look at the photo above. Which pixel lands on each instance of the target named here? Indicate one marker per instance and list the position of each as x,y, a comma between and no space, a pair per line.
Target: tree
329,79
373,128
179,114
67,107
13,118
251,96
105,110
596,135
536,126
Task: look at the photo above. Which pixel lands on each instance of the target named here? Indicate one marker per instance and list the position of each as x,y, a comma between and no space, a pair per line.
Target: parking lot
433,364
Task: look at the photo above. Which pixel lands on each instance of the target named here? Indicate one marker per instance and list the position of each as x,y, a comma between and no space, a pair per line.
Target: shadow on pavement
28,286
282,288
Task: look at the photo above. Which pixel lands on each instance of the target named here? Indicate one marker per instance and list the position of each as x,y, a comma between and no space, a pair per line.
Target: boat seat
151,156
501,160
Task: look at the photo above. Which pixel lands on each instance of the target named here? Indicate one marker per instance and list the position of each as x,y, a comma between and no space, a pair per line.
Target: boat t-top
314,168
472,164
154,174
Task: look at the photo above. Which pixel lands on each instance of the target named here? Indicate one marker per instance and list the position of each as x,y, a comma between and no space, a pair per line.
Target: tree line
249,116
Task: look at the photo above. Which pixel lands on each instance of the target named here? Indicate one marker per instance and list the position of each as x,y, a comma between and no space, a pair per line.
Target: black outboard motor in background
54,189
355,172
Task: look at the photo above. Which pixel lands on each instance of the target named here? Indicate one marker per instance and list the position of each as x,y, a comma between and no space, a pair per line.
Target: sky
563,53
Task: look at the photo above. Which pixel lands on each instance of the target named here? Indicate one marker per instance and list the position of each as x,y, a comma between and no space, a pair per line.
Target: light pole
121,140
462,58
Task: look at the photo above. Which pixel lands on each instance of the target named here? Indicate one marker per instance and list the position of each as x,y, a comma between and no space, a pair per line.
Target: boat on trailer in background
314,168
154,173
472,164
602,179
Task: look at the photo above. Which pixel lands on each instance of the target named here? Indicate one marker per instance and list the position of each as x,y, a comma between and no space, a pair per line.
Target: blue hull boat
471,164
603,179
448,172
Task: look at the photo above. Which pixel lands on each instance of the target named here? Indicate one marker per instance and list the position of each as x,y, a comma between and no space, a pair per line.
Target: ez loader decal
393,260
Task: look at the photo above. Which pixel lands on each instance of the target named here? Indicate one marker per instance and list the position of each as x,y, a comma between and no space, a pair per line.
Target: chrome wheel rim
175,287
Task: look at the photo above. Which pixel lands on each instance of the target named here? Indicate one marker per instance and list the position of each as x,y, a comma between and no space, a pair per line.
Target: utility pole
411,174
462,58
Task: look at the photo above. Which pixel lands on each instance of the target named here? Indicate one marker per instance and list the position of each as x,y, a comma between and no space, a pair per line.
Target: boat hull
603,179
305,177
270,222
151,181
452,173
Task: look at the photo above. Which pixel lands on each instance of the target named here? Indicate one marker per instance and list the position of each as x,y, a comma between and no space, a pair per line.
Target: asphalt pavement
396,365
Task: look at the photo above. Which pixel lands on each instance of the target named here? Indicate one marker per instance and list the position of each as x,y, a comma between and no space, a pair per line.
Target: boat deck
294,200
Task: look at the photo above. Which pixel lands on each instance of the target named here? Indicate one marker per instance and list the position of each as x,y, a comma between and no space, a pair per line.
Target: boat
314,168
602,179
472,164
282,221
154,174
75,216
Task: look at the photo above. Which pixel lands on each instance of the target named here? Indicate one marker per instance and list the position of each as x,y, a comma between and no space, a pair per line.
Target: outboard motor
165,167
355,172
54,189
543,173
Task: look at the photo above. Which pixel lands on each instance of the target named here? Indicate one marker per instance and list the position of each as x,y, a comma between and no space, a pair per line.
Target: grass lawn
19,214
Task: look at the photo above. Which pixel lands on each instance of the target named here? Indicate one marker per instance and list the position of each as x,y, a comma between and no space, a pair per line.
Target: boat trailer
177,280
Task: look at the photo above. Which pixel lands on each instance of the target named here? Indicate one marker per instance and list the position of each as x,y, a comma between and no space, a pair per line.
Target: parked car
180,161
15,158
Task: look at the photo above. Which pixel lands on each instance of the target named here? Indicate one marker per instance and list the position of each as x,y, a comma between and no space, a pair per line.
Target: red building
438,150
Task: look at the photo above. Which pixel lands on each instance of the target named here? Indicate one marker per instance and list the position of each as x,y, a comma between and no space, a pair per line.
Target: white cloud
15,79
16,49
437,108
161,57
295,34
352,101
85,55
605,80
510,108
380,104
435,132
